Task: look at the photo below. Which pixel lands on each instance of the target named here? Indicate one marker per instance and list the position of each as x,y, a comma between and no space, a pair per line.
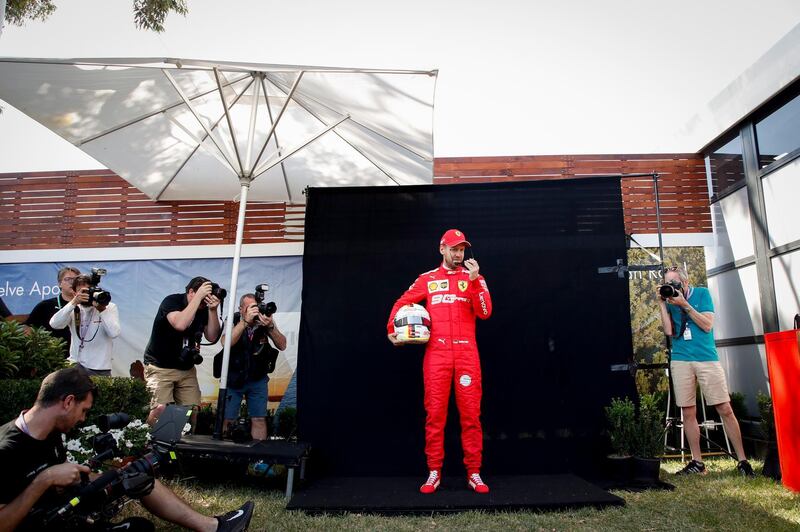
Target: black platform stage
400,495
292,455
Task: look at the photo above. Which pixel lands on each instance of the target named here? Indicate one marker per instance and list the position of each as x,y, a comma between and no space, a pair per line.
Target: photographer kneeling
93,322
35,471
174,346
250,360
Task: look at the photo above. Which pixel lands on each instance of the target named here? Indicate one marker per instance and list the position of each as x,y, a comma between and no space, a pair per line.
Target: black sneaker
238,520
694,467
745,469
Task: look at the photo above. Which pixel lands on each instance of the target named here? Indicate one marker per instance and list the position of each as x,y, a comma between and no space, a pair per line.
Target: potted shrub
772,465
621,417
648,441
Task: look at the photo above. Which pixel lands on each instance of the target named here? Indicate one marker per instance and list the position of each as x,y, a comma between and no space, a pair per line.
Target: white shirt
92,343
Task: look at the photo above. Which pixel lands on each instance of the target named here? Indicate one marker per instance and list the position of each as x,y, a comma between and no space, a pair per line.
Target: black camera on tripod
96,293
265,308
190,354
670,289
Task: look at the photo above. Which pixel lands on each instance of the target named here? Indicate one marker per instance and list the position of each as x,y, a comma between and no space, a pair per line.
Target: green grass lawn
721,500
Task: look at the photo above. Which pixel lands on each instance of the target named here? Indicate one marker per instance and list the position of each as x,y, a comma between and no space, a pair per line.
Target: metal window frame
758,217
763,253
783,161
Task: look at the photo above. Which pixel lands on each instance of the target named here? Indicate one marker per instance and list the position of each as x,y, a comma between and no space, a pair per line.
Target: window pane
727,167
779,133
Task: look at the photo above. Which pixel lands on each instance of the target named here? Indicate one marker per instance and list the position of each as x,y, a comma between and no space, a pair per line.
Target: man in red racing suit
454,293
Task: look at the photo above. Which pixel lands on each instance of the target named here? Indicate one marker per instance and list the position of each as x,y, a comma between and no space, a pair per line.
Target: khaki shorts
710,376
166,386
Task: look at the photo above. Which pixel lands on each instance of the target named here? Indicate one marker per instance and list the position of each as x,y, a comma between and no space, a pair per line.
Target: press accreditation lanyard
686,332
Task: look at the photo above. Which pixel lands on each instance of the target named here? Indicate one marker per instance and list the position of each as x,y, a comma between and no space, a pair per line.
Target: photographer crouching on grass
36,474
687,314
174,346
252,358
93,322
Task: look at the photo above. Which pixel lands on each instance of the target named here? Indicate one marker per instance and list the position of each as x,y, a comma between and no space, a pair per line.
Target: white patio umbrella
182,129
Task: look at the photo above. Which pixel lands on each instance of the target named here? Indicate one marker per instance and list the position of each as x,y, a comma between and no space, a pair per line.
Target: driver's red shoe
477,485
434,479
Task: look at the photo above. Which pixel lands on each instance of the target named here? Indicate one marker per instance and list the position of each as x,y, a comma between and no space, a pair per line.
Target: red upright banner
783,361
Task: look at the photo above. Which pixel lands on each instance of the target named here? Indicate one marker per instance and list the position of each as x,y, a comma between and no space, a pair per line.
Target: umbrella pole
237,252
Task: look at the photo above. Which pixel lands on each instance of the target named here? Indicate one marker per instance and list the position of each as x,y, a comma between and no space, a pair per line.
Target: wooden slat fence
683,189
100,209
52,210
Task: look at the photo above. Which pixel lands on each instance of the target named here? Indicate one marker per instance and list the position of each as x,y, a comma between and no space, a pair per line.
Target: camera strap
83,328
685,315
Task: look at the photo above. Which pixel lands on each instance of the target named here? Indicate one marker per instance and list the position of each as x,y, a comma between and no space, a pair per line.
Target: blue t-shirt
701,347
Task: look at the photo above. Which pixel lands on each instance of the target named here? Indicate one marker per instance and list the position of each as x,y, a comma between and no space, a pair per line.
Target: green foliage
20,11
147,14
119,394
648,335
287,423
767,415
17,394
12,343
206,418
28,355
150,14
739,405
131,441
116,394
648,437
621,416
43,354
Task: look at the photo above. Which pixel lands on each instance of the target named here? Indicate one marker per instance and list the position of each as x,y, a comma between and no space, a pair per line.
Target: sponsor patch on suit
438,286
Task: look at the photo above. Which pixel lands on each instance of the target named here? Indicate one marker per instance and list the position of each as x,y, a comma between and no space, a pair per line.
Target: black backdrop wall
546,352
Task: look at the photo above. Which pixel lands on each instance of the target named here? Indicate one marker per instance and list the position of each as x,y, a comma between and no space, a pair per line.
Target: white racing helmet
412,323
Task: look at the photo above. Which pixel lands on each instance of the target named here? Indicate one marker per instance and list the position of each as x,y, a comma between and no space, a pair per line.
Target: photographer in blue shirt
687,314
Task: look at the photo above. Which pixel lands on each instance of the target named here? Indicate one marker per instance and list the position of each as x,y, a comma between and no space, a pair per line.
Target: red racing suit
451,356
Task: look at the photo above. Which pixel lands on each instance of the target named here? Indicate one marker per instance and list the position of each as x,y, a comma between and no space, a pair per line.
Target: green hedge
116,394
29,354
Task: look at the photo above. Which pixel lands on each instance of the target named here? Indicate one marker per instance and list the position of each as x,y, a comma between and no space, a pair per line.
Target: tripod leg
684,443
727,438
705,420
667,417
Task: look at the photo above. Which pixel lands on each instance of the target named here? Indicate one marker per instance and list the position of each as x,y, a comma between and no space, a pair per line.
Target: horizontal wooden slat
100,209
683,191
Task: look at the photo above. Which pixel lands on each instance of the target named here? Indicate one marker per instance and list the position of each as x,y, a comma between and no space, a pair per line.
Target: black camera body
670,289
265,308
190,354
239,431
96,293
218,292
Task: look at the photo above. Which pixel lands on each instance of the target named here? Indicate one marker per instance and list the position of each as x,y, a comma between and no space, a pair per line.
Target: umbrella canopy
181,129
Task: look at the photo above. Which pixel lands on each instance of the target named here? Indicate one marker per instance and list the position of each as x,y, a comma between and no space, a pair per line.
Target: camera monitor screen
169,427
